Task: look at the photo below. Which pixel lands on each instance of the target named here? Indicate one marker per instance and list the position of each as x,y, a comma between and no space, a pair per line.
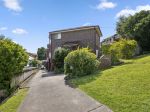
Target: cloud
19,31
3,28
127,12
13,5
104,4
15,42
143,7
86,24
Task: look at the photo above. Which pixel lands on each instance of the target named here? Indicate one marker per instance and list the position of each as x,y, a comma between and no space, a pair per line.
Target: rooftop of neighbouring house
115,36
32,54
96,27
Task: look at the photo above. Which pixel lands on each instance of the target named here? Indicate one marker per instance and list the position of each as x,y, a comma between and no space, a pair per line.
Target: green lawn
12,104
124,88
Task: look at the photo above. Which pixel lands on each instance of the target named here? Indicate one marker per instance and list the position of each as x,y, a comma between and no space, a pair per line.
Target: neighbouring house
116,37
32,56
110,39
72,38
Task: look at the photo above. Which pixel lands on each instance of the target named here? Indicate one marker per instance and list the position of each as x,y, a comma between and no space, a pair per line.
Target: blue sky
28,22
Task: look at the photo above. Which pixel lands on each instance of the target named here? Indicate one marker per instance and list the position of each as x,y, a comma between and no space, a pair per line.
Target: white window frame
97,51
49,54
58,36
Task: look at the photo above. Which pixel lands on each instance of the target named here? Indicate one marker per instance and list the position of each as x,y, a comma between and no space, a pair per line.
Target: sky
27,22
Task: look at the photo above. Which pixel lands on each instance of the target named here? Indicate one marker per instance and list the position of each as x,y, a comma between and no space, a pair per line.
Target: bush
114,53
105,49
33,63
58,59
127,48
80,62
122,49
13,58
111,50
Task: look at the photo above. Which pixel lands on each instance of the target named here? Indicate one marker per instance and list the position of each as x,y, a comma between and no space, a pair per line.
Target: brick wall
86,38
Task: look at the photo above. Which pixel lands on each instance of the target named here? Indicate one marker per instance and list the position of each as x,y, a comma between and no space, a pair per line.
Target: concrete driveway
49,93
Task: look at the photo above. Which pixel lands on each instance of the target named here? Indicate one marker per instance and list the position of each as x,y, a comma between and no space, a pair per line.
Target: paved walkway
49,93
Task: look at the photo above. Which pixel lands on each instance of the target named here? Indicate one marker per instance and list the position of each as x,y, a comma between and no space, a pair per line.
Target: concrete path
49,93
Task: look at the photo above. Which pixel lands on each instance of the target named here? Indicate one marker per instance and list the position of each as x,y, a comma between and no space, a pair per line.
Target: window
97,53
49,54
57,36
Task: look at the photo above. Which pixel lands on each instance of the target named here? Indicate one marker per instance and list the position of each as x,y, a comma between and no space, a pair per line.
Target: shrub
80,62
58,59
105,49
122,49
114,52
111,50
127,48
13,58
33,63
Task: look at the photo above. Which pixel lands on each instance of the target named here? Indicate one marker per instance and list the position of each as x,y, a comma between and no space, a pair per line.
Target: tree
58,60
142,30
2,37
120,26
136,27
41,53
13,58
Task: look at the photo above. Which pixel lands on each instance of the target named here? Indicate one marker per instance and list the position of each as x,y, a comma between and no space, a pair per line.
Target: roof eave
99,31
76,29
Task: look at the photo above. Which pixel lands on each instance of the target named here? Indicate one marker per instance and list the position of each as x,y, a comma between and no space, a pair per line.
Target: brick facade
82,37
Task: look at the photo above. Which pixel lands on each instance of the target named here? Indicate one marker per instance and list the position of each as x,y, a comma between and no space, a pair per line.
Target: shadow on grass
75,82
140,56
133,60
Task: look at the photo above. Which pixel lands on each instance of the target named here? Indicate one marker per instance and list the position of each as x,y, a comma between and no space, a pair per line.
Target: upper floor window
57,36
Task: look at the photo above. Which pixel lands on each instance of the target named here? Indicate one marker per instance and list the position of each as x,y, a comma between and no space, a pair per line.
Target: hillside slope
124,88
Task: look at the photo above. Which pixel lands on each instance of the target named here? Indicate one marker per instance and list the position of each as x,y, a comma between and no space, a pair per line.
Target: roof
32,54
116,36
79,28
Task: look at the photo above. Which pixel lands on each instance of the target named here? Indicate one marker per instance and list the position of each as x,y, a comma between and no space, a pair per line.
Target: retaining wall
17,80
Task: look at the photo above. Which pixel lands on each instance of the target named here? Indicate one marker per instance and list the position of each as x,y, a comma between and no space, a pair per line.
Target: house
116,37
110,39
32,56
72,38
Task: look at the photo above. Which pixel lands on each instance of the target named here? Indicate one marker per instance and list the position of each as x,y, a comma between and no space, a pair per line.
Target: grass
124,88
12,104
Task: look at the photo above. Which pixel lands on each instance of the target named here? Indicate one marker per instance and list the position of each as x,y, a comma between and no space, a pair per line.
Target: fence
16,81
27,72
